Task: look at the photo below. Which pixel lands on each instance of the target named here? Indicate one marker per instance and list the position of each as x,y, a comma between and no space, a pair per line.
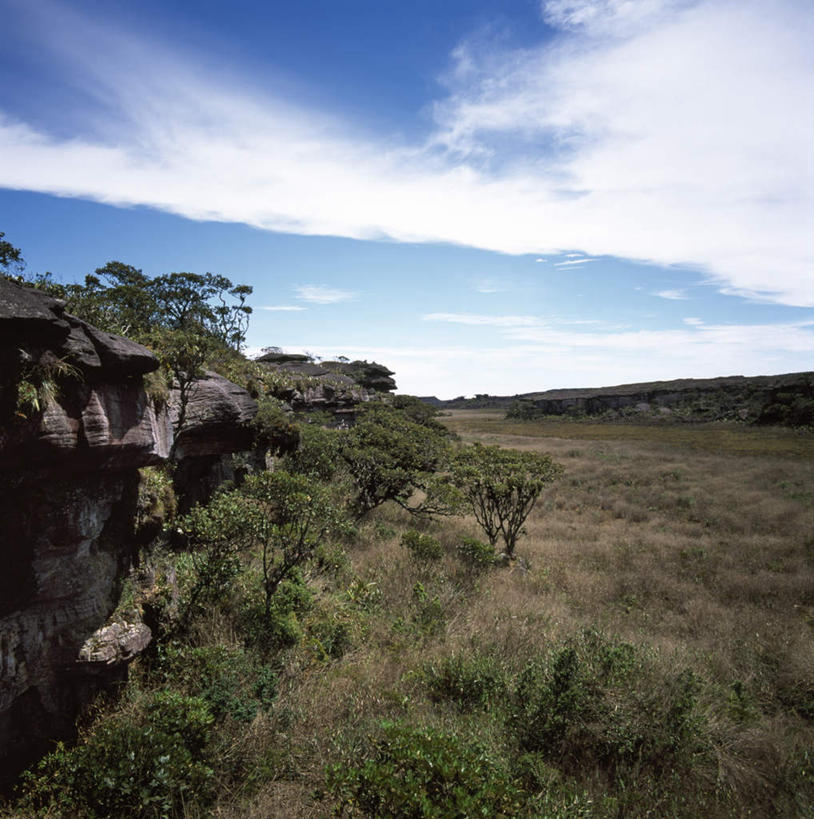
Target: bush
475,681
415,771
318,453
152,762
476,554
388,456
594,700
422,547
227,679
273,429
501,486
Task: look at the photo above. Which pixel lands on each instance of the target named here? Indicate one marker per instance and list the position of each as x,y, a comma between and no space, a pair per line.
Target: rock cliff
76,424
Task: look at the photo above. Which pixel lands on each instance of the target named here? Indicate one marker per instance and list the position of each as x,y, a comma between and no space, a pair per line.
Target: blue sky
486,197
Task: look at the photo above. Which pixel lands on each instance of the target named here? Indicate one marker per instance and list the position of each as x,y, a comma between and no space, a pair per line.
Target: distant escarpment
76,424
773,399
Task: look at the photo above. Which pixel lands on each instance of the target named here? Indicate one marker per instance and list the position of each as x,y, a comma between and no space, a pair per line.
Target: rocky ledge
69,477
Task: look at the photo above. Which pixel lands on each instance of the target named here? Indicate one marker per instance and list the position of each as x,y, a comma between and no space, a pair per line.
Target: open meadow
650,652
673,567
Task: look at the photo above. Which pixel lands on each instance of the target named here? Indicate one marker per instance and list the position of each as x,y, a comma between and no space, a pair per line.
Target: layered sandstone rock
68,493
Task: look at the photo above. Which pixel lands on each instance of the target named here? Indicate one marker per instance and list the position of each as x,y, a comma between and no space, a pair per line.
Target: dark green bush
149,762
422,547
476,554
228,679
422,772
273,429
599,701
474,681
318,454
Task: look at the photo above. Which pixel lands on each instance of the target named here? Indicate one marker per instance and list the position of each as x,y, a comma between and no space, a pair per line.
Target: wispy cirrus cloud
283,308
573,261
662,131
672,295
320,294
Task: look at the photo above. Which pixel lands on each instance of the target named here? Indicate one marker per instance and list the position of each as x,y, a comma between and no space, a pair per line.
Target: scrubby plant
388,457
273,428
318,455
422,547
599,701
150,761
415,771
476,554
229,680
470,681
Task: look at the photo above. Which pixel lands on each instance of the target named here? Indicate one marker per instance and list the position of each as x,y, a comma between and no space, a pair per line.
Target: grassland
654,658
695,545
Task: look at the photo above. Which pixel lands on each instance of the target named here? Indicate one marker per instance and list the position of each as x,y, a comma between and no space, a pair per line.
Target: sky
486,197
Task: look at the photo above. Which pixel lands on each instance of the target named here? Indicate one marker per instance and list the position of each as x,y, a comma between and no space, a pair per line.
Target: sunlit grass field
694,544
649,654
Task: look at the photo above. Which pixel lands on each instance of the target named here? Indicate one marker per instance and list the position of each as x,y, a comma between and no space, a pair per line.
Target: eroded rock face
68,494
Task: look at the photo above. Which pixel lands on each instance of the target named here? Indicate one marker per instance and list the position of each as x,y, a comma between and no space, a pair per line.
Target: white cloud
573,261
608,17
693,322
681,134
573,255
283,307
541,358
673,295
320,294
492,321
540,260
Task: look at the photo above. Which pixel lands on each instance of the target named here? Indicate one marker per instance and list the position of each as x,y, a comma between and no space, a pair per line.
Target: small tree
388,456
289,516
501,486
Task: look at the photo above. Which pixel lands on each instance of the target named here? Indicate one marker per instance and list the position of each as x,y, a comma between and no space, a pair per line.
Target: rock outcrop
329,387
69,462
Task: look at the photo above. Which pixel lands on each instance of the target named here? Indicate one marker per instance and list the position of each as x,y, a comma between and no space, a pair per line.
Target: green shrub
318,453
227,679
422,772
331,635
273,429
476,554
594,700
475,681
278,625
422,547
364,596
151,762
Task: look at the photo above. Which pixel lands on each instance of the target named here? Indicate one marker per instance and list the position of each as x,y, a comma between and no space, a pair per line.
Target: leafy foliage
421,546
470,681
475,554
501,487
388,457
144,764
423,772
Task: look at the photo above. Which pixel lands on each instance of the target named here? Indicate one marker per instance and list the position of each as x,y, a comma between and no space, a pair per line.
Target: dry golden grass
693,544
675,541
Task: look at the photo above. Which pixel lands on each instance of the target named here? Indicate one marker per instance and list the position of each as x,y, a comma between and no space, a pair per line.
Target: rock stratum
69,474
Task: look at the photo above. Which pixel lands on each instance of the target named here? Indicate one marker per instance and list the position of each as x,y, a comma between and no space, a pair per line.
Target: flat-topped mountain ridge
787,398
